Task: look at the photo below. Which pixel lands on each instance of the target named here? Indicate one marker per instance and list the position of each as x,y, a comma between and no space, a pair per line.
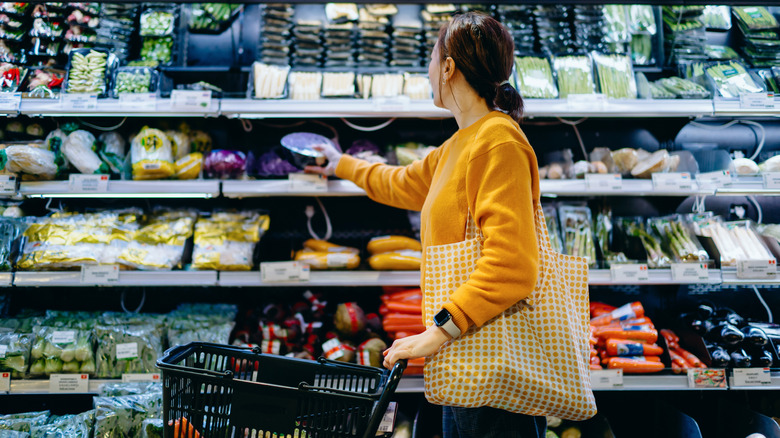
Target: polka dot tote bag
532,359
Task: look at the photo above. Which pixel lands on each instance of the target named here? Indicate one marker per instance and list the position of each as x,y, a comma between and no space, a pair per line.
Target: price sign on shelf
69,383
771,180
752,377
191,99
141,377
707,378
758,269
719,178
10,101
629,273
138,101
127,351
7,184
606,379
5,381
672,182
78,102
271,272
99,274
587,101
690,272
390,104
308,182
79,183
757,100
605,182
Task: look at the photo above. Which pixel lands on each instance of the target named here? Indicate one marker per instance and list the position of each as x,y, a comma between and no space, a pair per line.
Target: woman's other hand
413,347
331,154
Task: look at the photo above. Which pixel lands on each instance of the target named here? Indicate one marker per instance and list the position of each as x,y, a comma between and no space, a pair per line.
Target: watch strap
451,328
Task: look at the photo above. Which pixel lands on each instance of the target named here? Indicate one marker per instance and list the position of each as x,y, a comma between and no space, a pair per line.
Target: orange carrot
625,347
595,367
627,311
633,366
638,333
409,328
672,341
689,357
679,361
403,295
402,318
413,307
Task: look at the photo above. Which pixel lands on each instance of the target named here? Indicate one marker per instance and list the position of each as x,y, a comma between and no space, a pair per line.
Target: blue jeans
486,422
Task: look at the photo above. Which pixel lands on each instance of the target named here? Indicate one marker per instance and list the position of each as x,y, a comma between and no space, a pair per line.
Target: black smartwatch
444,320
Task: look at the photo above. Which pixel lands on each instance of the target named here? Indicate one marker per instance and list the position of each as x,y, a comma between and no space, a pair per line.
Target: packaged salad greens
23,422
575,74
127,347
115,389
535,78
15,353
135,80
157,21
66,426
226,241
124,416
732,79
616,75
67,350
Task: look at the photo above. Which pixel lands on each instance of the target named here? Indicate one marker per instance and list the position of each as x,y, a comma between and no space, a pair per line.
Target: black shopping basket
226,391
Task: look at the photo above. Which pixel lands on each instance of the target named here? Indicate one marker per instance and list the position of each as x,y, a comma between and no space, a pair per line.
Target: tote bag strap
472,231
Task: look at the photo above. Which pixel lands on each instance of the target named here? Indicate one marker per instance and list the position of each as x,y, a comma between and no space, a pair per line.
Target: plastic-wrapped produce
616,75
152,155
67,426
29,159
535,78
124,416
189,166
179,142
160,244
735,241
731,79
226,241
152,427
23,422
79,148
116,389
224,164
88,70
157,22
62,350
604,228
127,348
113,149
683,88
575,75
678,239
577,230
717,17
15,353
551,219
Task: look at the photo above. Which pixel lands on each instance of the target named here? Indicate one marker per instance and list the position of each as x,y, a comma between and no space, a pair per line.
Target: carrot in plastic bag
670,337
627,311
633,366
598,308
626,347
637,333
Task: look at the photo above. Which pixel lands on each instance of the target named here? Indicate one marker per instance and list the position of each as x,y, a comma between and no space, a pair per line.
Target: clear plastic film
189,166
179,142
79,148
417,86
305,85
127,347
732,79
152,155
616,75
553,230
575,75
656,256
616,24
577,230
678,239
113,149
717,17
226,241
62,349
16,359
159,245
29,159
535,78
683,88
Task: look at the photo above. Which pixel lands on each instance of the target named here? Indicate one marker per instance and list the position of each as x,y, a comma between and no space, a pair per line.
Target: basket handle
178,352
384,400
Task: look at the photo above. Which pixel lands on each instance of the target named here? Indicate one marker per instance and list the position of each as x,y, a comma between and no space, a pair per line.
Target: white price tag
588,101
191,99
271,272
752,377
99,274
127,351
757,100
756,269
140,377
605,379
390,104
706,378
606,182
3,351
718,178
10,101
138,101
629,273
388,419
308,182
63,337
80,183
7,184
690,272
5,381
772,180
672,182
79,102
73,383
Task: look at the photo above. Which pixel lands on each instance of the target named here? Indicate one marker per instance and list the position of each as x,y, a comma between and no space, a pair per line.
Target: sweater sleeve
501,199
398,186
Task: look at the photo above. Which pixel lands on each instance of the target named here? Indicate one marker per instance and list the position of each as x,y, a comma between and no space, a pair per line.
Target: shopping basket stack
224,391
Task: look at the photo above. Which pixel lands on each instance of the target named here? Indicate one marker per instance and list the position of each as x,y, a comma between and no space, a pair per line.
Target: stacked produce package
128,344
63,344
157,30
339,36
685,35
160,243
759,28
519,19
200,323
394,253
734,242
226,240
320,254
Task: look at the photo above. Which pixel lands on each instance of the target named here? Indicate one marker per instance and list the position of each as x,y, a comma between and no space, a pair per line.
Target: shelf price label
757,100
390,104
718,178
191,99
752,377
690,272
707,378
273,272
758,269
80,183
772,180
7,184
138,101
79,102
99,274
69,383
604,182
672,182
308,182
591,101
5,381
127,351
10,101
140,377
388,419
629,273
606,379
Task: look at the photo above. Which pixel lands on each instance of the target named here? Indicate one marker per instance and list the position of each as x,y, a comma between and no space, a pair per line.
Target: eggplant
719,357
740,359
763,359
695,323
729,316
725,334
704,311
755,336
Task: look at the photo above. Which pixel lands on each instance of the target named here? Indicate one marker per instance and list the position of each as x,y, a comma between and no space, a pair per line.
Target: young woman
485,173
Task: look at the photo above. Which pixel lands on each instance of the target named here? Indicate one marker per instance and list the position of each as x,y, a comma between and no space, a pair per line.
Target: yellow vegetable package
189,166
152,155
226,241
159,245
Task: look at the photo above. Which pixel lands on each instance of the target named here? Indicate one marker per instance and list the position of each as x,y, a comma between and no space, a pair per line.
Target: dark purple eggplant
762,358
740,359
755,336
720,358
725,334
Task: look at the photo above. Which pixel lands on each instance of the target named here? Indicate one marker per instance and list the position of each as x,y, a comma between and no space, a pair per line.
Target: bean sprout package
160,244
152,155
226,241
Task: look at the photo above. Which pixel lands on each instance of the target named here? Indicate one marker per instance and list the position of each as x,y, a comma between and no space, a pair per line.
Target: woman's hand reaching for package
331,154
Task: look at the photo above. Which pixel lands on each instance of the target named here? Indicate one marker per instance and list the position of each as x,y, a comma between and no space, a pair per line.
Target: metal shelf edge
126,278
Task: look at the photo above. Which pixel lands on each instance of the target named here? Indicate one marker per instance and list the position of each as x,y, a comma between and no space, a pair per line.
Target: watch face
441,318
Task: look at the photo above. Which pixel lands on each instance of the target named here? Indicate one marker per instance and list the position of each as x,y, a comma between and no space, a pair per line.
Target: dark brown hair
483,50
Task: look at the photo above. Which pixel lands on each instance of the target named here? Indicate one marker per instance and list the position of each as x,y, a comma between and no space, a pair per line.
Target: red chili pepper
12,74
56,81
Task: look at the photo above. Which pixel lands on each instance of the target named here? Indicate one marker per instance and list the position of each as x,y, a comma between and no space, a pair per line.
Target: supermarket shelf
603,277
41,386
745,186
631,187
6,279
112,108
125,189
730,277
368,108
774,386
733,108
282,187
332,278
126,278
617,108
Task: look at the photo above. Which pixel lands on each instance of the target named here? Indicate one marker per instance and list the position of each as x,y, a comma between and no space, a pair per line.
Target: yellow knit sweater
487,168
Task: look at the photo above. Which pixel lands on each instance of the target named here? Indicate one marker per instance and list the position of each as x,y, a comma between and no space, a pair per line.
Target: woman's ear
448,69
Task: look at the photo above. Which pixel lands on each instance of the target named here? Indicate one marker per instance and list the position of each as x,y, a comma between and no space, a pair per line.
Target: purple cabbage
363,145
224,164
269,164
